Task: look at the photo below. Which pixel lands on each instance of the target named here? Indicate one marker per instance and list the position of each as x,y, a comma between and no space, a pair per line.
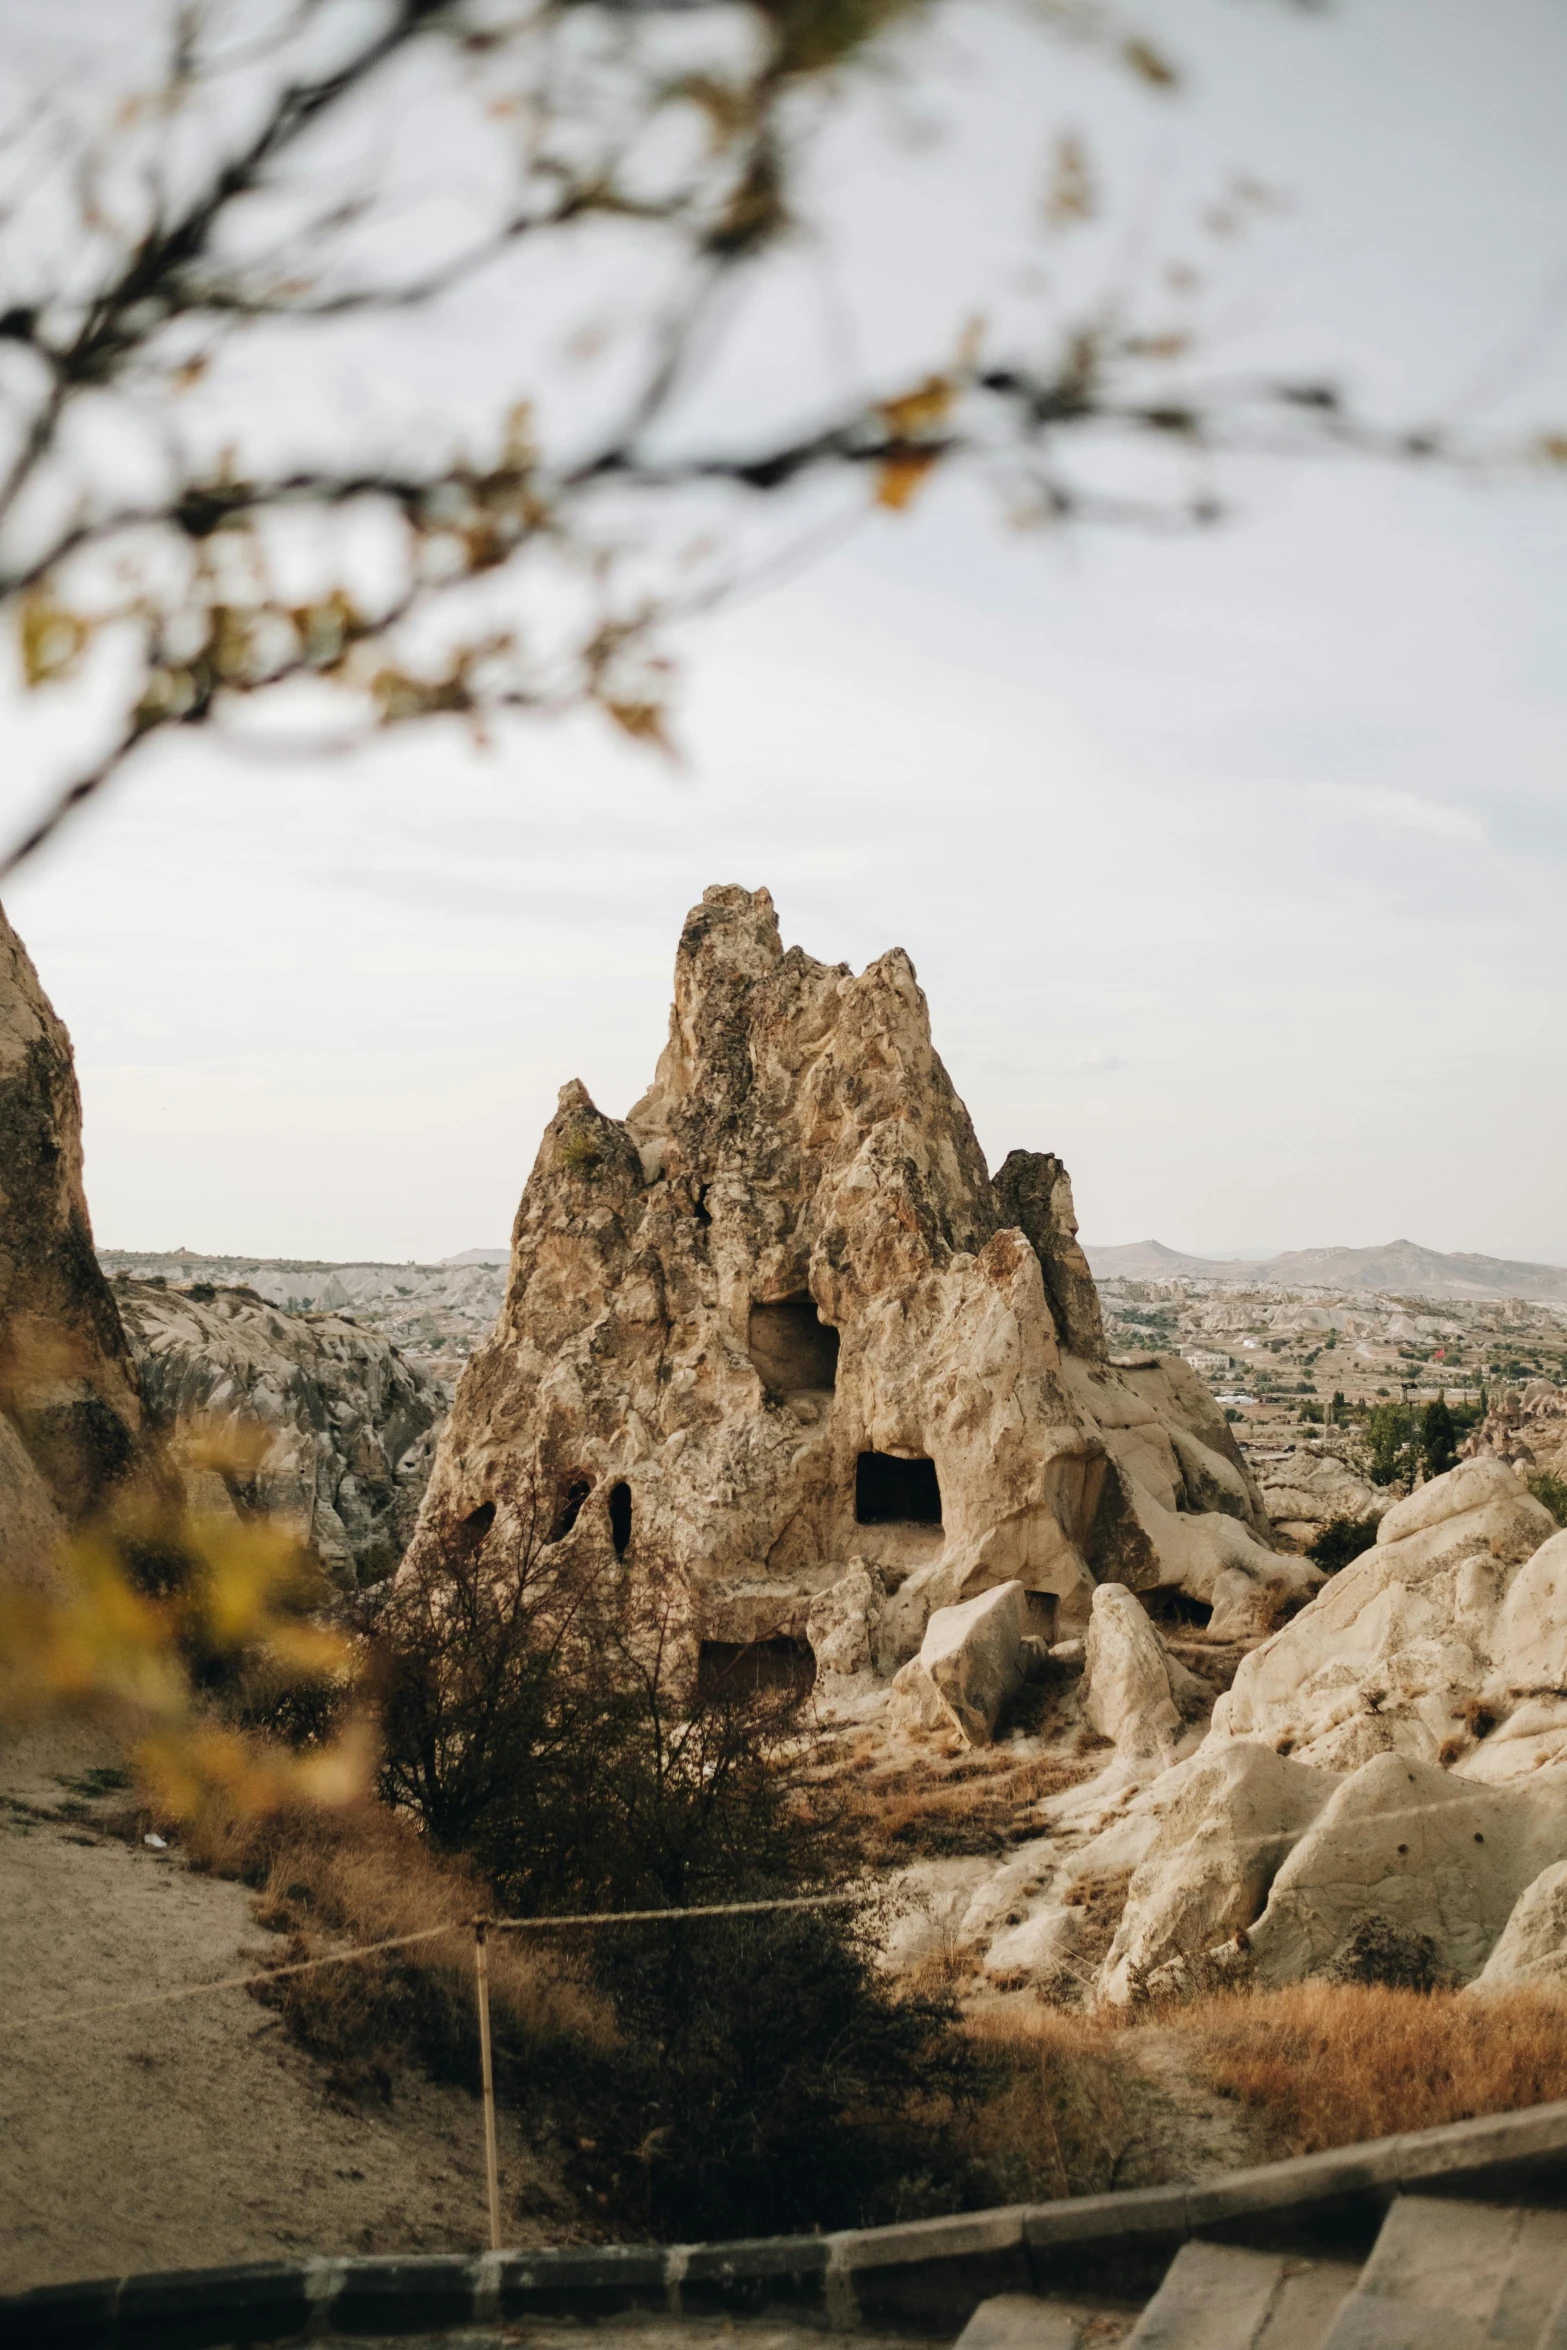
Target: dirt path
191,2134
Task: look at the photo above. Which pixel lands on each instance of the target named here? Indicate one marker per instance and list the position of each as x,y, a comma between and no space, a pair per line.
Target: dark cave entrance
791,1346
574,1493
1173,1608
892,1491
740,1668
620,1516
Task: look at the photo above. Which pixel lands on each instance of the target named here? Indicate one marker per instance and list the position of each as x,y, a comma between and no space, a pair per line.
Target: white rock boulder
1126,1694
1391,1656
1533,1944
970,1662
1435,1858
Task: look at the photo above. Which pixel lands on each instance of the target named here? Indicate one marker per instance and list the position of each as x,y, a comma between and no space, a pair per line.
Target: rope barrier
305,1966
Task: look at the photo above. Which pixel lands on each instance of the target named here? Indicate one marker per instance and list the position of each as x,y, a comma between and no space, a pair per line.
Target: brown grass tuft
329,1879
1331,2064
1062,2113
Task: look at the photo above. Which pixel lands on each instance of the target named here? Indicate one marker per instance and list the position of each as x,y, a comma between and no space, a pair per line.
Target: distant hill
1399,1265
480,1256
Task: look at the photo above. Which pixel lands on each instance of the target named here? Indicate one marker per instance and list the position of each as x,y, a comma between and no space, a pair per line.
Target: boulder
331,1429
779,1317
1127,1695
1392,1655
1432,1857
1223,1836
970,1662
1533,1944
68,1386
841,1623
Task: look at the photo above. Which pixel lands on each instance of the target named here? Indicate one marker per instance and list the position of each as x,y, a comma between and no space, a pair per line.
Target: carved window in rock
792,1348
620,1517
573,1493
477,1524
892,1491
733,1668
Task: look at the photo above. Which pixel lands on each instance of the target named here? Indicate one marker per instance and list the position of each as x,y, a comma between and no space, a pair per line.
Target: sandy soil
191,2134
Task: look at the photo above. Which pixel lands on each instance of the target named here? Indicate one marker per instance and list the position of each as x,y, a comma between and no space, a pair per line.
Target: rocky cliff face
777,1328
327,1425
72,1430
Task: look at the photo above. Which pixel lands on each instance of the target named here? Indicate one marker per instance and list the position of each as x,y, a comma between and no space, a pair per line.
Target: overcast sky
1234,868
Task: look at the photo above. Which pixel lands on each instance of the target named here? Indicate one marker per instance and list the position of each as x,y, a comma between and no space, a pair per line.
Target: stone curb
926,2277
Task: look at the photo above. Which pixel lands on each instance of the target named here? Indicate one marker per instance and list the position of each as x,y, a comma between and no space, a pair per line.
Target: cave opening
742,1668
1175,1608
792,1347
620,1516
478,1522
574,1493
892,1491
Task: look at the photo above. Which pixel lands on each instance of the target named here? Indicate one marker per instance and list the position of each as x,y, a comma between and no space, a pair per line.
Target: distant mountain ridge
1402,1266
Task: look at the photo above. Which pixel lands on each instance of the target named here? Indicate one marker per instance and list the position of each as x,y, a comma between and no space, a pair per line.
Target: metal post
491,2161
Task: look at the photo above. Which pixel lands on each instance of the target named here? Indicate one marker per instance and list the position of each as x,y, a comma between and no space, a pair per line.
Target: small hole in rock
620,1516
478,1522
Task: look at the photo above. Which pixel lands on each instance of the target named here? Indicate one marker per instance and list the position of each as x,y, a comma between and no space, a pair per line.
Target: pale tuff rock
1304,1493
842,1622
75,1436
779,1319
1127,1695
1526,1428
1392,1656
1436,1859
1533,1943
342,1425
969,1664
1225,1824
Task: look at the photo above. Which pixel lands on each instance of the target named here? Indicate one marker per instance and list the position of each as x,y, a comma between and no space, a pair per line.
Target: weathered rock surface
970,1662
1310,1489
1222,1827
779,1318
1532,1947
1127,1696
1438,1860
333,1429
1393,1656
75,1438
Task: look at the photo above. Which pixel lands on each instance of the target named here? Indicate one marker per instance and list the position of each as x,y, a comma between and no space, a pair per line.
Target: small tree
1438,1438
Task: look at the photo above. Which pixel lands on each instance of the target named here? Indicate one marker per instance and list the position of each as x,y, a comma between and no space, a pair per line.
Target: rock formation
1429,1638
777,1328
334,1428
72,1431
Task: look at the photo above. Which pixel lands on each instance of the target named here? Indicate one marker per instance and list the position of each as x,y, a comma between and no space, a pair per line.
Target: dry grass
326,1879
1063,2113
939,1807
1329,2065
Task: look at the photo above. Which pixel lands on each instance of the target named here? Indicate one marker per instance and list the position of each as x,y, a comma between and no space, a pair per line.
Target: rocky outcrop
1415,1648
1127,1696
74,1438
779,1318
1532,1947
970,1662
1307,1491
304,1416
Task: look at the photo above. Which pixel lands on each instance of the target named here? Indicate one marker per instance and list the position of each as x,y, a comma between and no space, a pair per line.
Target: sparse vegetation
1552,1490
1341,1541
1329,2064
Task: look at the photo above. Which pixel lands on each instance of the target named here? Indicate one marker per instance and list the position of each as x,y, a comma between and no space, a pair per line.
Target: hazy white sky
1233,869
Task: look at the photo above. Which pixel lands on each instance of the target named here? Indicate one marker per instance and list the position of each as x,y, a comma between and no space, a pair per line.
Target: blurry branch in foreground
175,1628
203,507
